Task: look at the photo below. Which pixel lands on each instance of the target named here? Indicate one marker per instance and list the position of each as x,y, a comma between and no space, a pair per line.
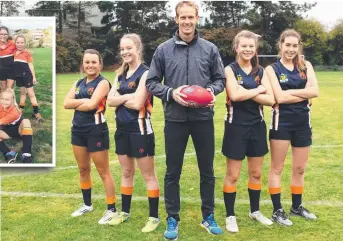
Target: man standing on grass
187,59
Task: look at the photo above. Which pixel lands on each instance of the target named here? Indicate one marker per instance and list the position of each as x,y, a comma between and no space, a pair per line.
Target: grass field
42,131
37,205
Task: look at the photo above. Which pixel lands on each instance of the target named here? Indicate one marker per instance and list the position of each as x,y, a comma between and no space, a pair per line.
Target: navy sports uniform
6,60
21,70
291,121
89,127
245,129
134,135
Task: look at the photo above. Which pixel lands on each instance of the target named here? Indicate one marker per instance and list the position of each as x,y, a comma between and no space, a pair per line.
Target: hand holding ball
197,96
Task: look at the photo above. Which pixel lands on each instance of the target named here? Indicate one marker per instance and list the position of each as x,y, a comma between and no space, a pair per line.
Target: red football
197,96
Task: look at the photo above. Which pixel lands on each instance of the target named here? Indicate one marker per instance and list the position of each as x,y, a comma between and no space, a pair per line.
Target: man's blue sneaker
211,226
171,232
11,156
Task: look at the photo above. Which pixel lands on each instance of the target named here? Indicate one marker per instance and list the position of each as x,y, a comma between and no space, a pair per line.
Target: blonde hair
298,62
91,51
20,36
250,35
187,3
136,39
11,91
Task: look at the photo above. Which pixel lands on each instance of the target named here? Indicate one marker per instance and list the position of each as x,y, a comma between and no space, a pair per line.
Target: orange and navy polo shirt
21,63
6,54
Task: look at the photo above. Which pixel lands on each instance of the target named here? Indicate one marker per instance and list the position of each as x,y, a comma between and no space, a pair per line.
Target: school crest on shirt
90,91
258,80
132,84
302,75
239,79
283,78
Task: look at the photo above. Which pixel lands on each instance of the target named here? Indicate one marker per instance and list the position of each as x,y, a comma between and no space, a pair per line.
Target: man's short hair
187,3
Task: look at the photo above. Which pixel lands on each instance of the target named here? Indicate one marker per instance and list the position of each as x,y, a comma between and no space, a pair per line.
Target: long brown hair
136,39
298,62
91,51
251,35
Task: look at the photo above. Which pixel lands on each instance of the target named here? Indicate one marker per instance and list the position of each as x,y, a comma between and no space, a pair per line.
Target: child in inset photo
24,75
12,125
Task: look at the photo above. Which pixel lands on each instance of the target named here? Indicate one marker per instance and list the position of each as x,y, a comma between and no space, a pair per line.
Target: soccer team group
186,59
16,67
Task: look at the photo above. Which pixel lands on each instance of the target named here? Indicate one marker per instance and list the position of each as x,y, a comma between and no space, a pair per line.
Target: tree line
152,21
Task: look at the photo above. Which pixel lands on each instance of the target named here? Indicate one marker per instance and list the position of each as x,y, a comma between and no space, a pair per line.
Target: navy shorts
241,140
95,137
6,73
133,145
26,81
12,130
298,138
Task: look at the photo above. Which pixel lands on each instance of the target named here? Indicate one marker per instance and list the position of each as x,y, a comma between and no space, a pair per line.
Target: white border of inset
53,24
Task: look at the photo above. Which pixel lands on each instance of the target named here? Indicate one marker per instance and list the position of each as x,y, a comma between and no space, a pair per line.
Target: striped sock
153,196
275,194
254,190
229,199
3,148
86,188
35,109
22,105
126,195
297,193
111,203
26,135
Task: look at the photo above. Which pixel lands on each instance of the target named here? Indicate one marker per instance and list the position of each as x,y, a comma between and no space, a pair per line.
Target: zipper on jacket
187,56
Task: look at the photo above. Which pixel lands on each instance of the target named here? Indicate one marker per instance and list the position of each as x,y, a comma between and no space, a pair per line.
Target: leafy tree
334,54
226,13
10,8
314,39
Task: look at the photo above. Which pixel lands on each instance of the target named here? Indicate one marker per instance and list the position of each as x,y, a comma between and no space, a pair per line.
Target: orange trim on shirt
23,55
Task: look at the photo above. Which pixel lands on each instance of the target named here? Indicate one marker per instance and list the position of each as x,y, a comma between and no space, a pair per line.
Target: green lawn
41,208
42,131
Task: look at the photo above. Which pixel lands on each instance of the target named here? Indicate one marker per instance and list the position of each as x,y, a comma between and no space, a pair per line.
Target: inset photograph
27,59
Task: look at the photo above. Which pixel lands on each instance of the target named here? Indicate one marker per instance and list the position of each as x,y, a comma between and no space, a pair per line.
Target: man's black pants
176,138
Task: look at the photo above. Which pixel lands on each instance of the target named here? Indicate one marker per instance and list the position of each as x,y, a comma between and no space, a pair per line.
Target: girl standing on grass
248,89
134,137
89,133
24,75
7,48
294,82
13,125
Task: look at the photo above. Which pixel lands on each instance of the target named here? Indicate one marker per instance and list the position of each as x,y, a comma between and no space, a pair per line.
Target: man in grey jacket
187,59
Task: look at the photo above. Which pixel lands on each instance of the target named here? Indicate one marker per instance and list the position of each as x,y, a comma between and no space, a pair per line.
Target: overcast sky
27,22
326,11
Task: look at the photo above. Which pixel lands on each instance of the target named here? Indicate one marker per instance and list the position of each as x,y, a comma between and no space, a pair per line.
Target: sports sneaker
11,156
108,216
211,225
38,117
82,210
281,218
258,216
151,225
172,230
120,218
302,212
26,159
231,224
